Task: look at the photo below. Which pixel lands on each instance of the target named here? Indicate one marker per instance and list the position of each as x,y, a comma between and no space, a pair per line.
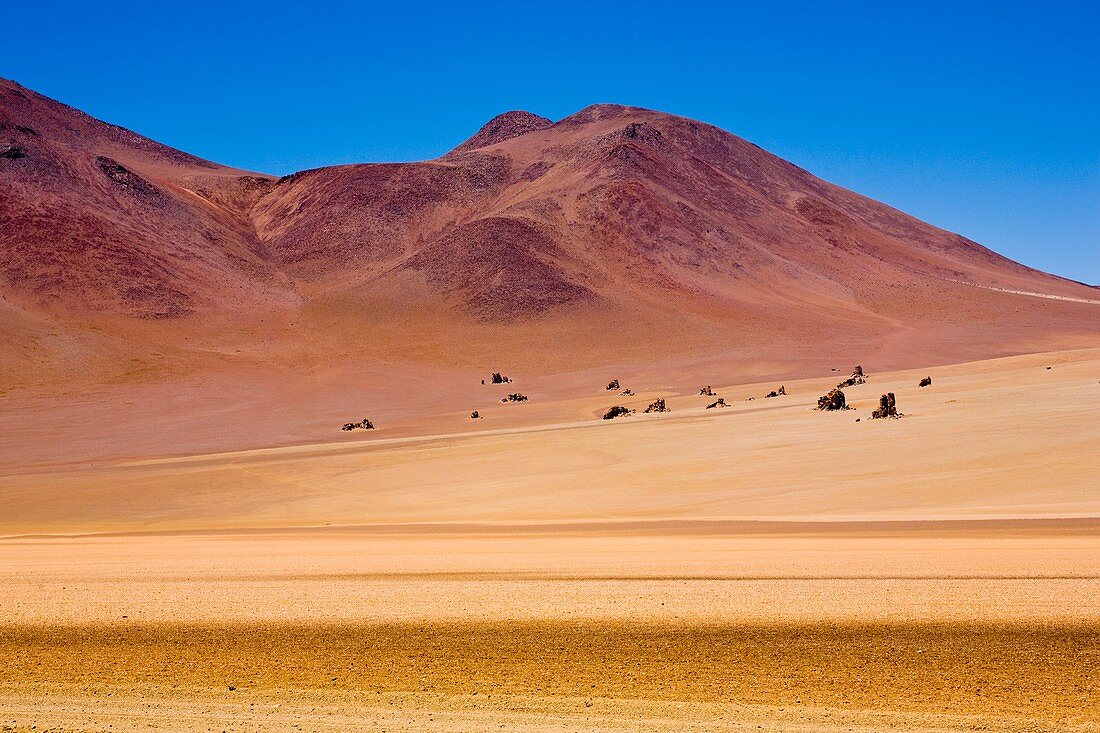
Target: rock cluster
499,378
707,391
657,406
627,393
617,411
886,407
720,403
835,400
475,415
613,384
776,393
515,397
365,424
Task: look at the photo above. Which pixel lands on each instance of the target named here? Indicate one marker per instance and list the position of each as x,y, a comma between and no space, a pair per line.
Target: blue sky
982,118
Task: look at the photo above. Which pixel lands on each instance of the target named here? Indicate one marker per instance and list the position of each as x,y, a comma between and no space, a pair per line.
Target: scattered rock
1049,368
858,377
835,400
776,393
720,403
926,382
886,407
613,384
499,378
515,397
657,406
475,415
707,391
749,399
626,393
617,411
365,424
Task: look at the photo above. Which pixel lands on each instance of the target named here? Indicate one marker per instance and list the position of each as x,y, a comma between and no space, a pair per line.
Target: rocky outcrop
613,384
887,407
515,397
835,400
475,415
720,403
627,393
707,391
926,382
858,377
499,378
778,392
657,406
363,424
617,411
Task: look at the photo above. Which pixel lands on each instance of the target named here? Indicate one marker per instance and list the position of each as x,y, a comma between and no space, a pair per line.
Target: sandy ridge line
1060,525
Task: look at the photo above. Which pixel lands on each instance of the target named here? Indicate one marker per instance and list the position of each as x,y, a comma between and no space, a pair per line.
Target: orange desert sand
779,569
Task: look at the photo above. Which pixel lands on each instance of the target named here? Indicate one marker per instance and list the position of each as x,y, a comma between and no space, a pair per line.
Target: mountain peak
504,127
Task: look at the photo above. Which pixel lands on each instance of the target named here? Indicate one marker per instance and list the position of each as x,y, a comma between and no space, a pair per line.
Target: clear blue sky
982,118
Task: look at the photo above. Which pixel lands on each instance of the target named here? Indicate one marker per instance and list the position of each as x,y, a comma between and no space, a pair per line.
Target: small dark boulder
613,384
515,397
657,406
926,382
617,411
365,424
720,403
886,407
835,400
475,415
707,391
776,393
627,393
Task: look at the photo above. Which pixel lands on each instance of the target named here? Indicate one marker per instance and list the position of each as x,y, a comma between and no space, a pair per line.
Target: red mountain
615,235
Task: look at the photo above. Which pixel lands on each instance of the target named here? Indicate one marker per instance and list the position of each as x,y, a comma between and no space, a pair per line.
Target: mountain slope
617,234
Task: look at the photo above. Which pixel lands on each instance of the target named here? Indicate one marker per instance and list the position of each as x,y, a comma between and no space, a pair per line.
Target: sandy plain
765,567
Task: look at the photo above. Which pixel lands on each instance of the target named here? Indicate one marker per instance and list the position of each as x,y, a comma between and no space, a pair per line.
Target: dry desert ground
762,567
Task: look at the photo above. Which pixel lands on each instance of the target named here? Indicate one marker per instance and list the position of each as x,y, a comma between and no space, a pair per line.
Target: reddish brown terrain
617,238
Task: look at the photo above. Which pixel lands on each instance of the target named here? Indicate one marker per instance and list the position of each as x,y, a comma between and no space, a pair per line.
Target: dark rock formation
657,406
627,392
858,377
617,411
835,400
776,393
886,407
720,403
515,397
613,384
926,382
707,391
498,378
12,152
475,415
365,424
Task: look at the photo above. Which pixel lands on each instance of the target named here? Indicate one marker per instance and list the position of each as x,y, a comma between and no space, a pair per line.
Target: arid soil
769,567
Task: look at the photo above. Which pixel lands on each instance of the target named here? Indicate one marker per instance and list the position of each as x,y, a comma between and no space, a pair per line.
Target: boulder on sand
515,397
835,400
707,391
499,378
613,384
617,411
776,393
657,406
926,382
886,407
365,424
720,403
475,415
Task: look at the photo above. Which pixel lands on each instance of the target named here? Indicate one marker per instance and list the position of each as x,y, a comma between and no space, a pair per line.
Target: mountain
615,235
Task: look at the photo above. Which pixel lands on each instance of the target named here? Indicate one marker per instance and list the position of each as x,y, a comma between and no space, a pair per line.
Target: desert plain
764,566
